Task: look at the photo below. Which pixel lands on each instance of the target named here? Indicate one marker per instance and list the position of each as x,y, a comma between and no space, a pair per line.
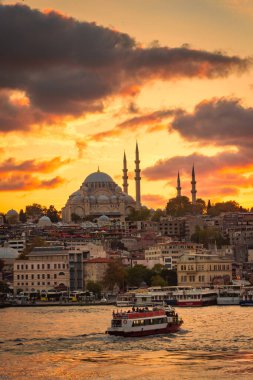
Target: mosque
100,197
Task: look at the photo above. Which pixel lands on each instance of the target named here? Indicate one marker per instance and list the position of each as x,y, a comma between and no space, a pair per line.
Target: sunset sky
82,81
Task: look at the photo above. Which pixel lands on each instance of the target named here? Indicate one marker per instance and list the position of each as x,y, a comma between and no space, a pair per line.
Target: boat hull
196,303
167,330
246,303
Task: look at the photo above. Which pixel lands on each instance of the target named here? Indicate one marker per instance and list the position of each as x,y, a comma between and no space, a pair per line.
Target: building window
38,283
26,276
18,267
42,266
48,266
22,277
55,266
55,275
32,266
26,267
38,276
18,277
32,276
38,266
59,266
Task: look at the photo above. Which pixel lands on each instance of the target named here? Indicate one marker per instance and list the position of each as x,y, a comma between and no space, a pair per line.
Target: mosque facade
100,196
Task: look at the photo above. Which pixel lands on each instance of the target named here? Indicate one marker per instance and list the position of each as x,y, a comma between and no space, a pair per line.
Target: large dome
98,177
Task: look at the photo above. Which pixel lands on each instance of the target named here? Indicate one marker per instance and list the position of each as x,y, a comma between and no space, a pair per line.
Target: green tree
157,280
170,276
138,274
22,216
37,241
229,206
178,206
35,211
94,287
115,275
157,215
208,236
142,214
53,214
4,288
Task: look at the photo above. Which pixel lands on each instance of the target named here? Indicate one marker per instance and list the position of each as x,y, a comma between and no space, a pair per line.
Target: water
70,343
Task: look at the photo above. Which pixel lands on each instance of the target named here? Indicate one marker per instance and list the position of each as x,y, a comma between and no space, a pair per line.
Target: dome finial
98,169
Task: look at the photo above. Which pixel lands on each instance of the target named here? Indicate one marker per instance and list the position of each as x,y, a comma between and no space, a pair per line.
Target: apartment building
203,270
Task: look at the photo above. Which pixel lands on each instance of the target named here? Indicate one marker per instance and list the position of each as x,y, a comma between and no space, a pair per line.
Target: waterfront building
18,243
203,270
46,268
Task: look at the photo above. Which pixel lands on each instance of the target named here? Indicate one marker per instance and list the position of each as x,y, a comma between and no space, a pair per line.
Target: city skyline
91,80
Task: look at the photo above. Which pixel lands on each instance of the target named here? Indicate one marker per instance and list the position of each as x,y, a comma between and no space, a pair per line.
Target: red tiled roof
99,260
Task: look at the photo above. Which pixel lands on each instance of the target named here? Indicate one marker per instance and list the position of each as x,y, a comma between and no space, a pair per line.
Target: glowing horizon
92,79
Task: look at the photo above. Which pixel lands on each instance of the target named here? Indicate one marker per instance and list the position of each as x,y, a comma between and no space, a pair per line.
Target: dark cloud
217,122
222,163
67,67
223,174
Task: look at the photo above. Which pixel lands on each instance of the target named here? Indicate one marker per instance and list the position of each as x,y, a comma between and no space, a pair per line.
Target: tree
229,206
94,287
37,241
35,211
115,275
138,274
4,288
157,280
178,206
157,215
22,216
142,214
208,236
53,214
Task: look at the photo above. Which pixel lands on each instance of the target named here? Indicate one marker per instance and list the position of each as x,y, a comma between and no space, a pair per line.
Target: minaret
193,182
178,186
137,178
125,177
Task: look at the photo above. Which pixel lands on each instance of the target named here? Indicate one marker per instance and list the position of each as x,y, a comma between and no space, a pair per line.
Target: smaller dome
92,199
7,252
78,192
103,218
129,199
77,198
102,199
44,221
114,199
12,213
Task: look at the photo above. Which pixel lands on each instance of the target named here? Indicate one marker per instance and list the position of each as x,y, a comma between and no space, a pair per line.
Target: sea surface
54,343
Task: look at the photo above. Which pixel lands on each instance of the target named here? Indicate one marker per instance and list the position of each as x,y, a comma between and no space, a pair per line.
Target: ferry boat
247,298
146,298
229,295
142,322
195,297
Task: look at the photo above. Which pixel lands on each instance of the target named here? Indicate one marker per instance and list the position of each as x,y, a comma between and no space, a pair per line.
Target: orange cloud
154,200
10,165
28,182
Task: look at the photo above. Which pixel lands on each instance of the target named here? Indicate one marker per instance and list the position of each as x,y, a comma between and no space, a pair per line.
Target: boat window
116,323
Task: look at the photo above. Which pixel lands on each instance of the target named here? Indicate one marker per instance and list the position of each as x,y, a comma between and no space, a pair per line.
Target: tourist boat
195,297
142,322
247,298
146,298
230,295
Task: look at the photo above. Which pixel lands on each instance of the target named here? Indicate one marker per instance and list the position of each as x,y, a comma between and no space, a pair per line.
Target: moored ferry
229,295
195,297
142,322
247,298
